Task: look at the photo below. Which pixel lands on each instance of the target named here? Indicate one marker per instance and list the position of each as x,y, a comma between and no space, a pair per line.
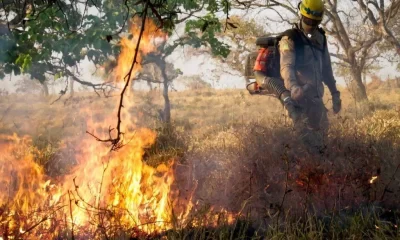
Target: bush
196,83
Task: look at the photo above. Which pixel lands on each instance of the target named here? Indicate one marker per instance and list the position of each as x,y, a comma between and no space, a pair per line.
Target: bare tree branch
116,141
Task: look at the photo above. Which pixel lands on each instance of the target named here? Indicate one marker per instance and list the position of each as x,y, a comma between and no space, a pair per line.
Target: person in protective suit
304,66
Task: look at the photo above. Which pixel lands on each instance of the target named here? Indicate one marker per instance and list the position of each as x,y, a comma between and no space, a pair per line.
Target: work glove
293,109
336,102
296,92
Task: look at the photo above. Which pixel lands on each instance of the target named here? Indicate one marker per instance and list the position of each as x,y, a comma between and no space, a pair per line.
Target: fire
117,188
119,185
150,36
372,180
106,192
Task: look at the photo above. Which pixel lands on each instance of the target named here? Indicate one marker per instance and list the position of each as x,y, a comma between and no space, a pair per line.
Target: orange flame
106,191
116,189
372,180
128,47
135,192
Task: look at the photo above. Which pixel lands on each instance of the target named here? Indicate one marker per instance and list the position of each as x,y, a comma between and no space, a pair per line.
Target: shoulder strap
295,35
322,31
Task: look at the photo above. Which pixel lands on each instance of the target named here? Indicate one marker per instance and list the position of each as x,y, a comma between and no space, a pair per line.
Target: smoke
265,171
259,169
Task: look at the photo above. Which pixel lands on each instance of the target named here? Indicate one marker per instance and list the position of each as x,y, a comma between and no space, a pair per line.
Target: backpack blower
266,62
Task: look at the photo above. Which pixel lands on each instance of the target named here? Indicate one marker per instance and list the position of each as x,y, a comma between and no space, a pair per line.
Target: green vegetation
34,43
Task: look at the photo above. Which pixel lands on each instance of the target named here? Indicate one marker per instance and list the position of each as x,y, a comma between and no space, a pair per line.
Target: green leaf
27,63
72,34
24,61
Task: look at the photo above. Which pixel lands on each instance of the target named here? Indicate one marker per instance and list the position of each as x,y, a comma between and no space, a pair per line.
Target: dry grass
244,157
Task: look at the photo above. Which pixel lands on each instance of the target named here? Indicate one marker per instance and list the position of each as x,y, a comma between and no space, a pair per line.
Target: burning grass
192,180
104,192
229,167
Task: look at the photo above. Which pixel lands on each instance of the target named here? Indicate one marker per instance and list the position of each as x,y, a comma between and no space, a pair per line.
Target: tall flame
150,36
106,191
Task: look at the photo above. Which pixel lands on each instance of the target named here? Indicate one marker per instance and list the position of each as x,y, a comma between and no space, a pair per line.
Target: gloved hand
294,110
336,102
296,92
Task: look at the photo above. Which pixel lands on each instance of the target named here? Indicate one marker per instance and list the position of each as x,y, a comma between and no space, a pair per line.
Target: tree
358,39
158,70
26,85
380,15
37,45
396,31
45,88
50,37
71,87
241,35
394,26
33,43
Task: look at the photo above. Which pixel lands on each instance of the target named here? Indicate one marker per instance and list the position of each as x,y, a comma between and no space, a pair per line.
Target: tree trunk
150,86
359,88
159,60
167,105
45,88
71,87
364,78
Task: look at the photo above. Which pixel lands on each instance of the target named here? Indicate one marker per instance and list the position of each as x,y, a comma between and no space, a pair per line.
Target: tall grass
239,154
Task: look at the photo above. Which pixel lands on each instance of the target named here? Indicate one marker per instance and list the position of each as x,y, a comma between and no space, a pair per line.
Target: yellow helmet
313,9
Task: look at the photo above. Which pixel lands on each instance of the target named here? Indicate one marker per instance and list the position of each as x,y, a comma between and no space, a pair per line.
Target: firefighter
304,66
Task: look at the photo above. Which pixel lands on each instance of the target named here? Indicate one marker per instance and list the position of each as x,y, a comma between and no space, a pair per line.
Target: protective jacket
306,62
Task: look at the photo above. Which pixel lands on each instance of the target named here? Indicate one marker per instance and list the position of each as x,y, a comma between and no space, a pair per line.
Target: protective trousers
312,125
